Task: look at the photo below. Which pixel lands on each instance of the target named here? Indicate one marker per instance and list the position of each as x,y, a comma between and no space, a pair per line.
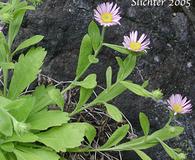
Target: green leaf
137,89
7,147
126,67
2,157
93,59
11,156
4,49
24,74
143,143
25,138
6,127
167,133
169,150
23,153
45,119
6,65
4,101
88,130
56,97
114,112
29,42
145,84
117,136
110,93
85,94
60,138
118,48
85,51
142,155
42,98
145,124
89,82
94,34
109,77
21,108
14,26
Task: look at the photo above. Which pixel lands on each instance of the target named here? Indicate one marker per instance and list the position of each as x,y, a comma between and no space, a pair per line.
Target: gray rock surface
169,64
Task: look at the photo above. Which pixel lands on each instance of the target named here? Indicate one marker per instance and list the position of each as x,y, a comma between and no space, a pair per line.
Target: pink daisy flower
107,14
132,43
178,104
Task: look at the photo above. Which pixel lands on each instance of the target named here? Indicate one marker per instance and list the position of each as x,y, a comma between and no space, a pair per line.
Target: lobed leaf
46,119
56,97
25,71
60,138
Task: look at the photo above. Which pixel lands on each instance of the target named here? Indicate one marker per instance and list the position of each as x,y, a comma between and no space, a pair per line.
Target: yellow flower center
177,108
135,46
107,17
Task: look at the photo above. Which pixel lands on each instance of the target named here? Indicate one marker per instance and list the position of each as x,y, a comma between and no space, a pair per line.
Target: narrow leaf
114,112
137,89
145,124
85,94
94,34
29,42
142,155
85,51
109,77
110,94
169,150
117,48
14,26
117,136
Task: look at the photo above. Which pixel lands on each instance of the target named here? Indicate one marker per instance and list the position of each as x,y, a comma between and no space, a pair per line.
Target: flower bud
6,17
157,94
182,156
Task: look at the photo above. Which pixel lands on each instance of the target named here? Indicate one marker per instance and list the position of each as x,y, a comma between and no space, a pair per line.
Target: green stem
81,109
171,114
5,75
71,86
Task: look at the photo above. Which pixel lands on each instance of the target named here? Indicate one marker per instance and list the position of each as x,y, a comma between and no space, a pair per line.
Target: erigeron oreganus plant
29,131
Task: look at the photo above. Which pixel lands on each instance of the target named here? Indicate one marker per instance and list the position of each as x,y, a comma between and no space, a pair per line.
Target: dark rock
169,64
